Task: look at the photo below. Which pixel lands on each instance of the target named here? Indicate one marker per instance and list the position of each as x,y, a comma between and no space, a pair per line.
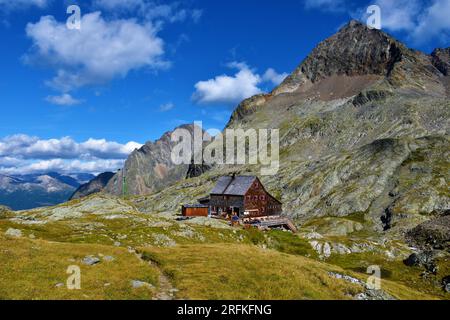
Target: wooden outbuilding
197,210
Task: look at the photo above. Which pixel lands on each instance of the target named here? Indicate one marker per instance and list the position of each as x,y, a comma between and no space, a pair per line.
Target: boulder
15,233
4,211
434,233
419,259
446,284
136,284
422,259
91,260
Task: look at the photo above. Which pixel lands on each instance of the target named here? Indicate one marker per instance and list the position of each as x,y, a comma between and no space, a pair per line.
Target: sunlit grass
32,269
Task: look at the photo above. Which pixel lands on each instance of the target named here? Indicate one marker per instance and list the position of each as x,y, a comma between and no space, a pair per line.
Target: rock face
95,185
150,168
196,170
434,233
355,50
358,51
441,60
446,284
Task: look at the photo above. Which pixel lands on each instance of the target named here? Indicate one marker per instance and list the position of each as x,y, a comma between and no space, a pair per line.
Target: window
255,197
262,197
249,197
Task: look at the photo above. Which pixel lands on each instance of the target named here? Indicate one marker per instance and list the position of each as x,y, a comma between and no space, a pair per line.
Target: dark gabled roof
233,186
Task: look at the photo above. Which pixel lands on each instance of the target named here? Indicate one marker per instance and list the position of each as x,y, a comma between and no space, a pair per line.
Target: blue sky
81,100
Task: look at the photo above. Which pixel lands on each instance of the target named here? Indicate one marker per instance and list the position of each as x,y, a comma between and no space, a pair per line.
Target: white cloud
434,22
22,154
9,5
26,147
11,162
101,51
423,21
118,4
227,90
62,166
325,5
398,15
101,148
272,76
166,107
63,100
151,10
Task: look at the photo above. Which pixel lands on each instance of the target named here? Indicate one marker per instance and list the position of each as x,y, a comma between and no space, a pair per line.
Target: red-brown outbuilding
195,210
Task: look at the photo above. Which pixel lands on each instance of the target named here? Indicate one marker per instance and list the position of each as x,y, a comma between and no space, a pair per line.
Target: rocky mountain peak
355,50
150,168
356,59
95,185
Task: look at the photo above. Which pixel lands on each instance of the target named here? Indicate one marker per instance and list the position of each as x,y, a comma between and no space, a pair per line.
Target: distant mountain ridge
21,192
95,185
150,168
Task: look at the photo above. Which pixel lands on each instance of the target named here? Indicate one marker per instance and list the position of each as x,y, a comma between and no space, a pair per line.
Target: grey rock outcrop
441,60
15,233
446,284
434,233
150,168
90,260
96,185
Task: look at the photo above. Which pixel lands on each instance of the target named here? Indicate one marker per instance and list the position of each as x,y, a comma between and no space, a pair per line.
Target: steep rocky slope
150,168
97,184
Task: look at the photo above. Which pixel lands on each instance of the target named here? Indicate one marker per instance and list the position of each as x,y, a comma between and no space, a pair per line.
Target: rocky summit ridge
357,58
150,168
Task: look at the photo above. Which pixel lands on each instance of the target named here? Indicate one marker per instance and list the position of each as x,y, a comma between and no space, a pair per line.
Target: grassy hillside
166,259
247,272
36,269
